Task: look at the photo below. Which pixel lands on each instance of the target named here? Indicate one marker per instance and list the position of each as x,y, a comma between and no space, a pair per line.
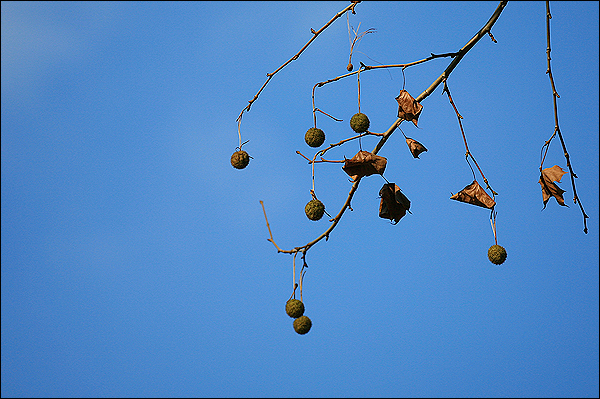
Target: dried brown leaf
408,108
415,147
549,188
474,194
394,204
363,164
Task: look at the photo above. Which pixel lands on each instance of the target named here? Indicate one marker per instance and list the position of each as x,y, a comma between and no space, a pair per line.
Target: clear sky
135,259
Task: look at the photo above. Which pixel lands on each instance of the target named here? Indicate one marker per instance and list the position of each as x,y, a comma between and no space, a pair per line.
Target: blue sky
135,259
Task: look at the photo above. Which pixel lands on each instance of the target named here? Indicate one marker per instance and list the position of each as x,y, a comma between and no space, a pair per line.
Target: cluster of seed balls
295,309
314,210
315,137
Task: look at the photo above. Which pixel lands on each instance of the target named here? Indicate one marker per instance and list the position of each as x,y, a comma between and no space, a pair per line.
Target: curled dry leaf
476,195
415,147
549,188
394,203
364,164
408,108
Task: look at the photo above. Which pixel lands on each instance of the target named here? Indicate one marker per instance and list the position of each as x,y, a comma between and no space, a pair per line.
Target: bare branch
457,57
468,152
370,67
350,7
556,126
269,227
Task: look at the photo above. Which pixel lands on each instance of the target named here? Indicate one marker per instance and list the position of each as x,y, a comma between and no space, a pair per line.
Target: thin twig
350,7
556,126
294,273
269,227
358,80
304,156
493,222
468,152
325,113
357,38
302,274
324,150
320,153
456,59
371,67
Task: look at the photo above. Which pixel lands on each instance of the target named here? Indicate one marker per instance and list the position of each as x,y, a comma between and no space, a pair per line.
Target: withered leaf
408,108
415,147
394,204
549,188
364,164
476,195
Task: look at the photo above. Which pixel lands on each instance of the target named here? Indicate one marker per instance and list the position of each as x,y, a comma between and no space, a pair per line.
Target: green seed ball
359,123
240,159
314,137
497,254
302,325
294,308
314,209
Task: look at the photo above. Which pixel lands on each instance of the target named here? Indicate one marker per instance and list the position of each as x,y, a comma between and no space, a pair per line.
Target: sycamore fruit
497,254
302,325
314,137
359,123
294,308
240,159
314,209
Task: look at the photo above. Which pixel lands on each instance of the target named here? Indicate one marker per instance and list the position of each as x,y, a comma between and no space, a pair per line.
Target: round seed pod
314,137
294,308
497,254
240,159
359,123
302,325
314,209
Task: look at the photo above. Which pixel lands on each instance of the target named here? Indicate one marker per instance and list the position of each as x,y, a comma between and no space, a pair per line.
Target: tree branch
468,152
350,7
556,127
457,57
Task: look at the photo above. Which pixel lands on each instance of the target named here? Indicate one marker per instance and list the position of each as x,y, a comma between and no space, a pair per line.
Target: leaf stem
468,152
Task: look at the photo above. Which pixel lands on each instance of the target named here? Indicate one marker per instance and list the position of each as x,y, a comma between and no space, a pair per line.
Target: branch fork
456,58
